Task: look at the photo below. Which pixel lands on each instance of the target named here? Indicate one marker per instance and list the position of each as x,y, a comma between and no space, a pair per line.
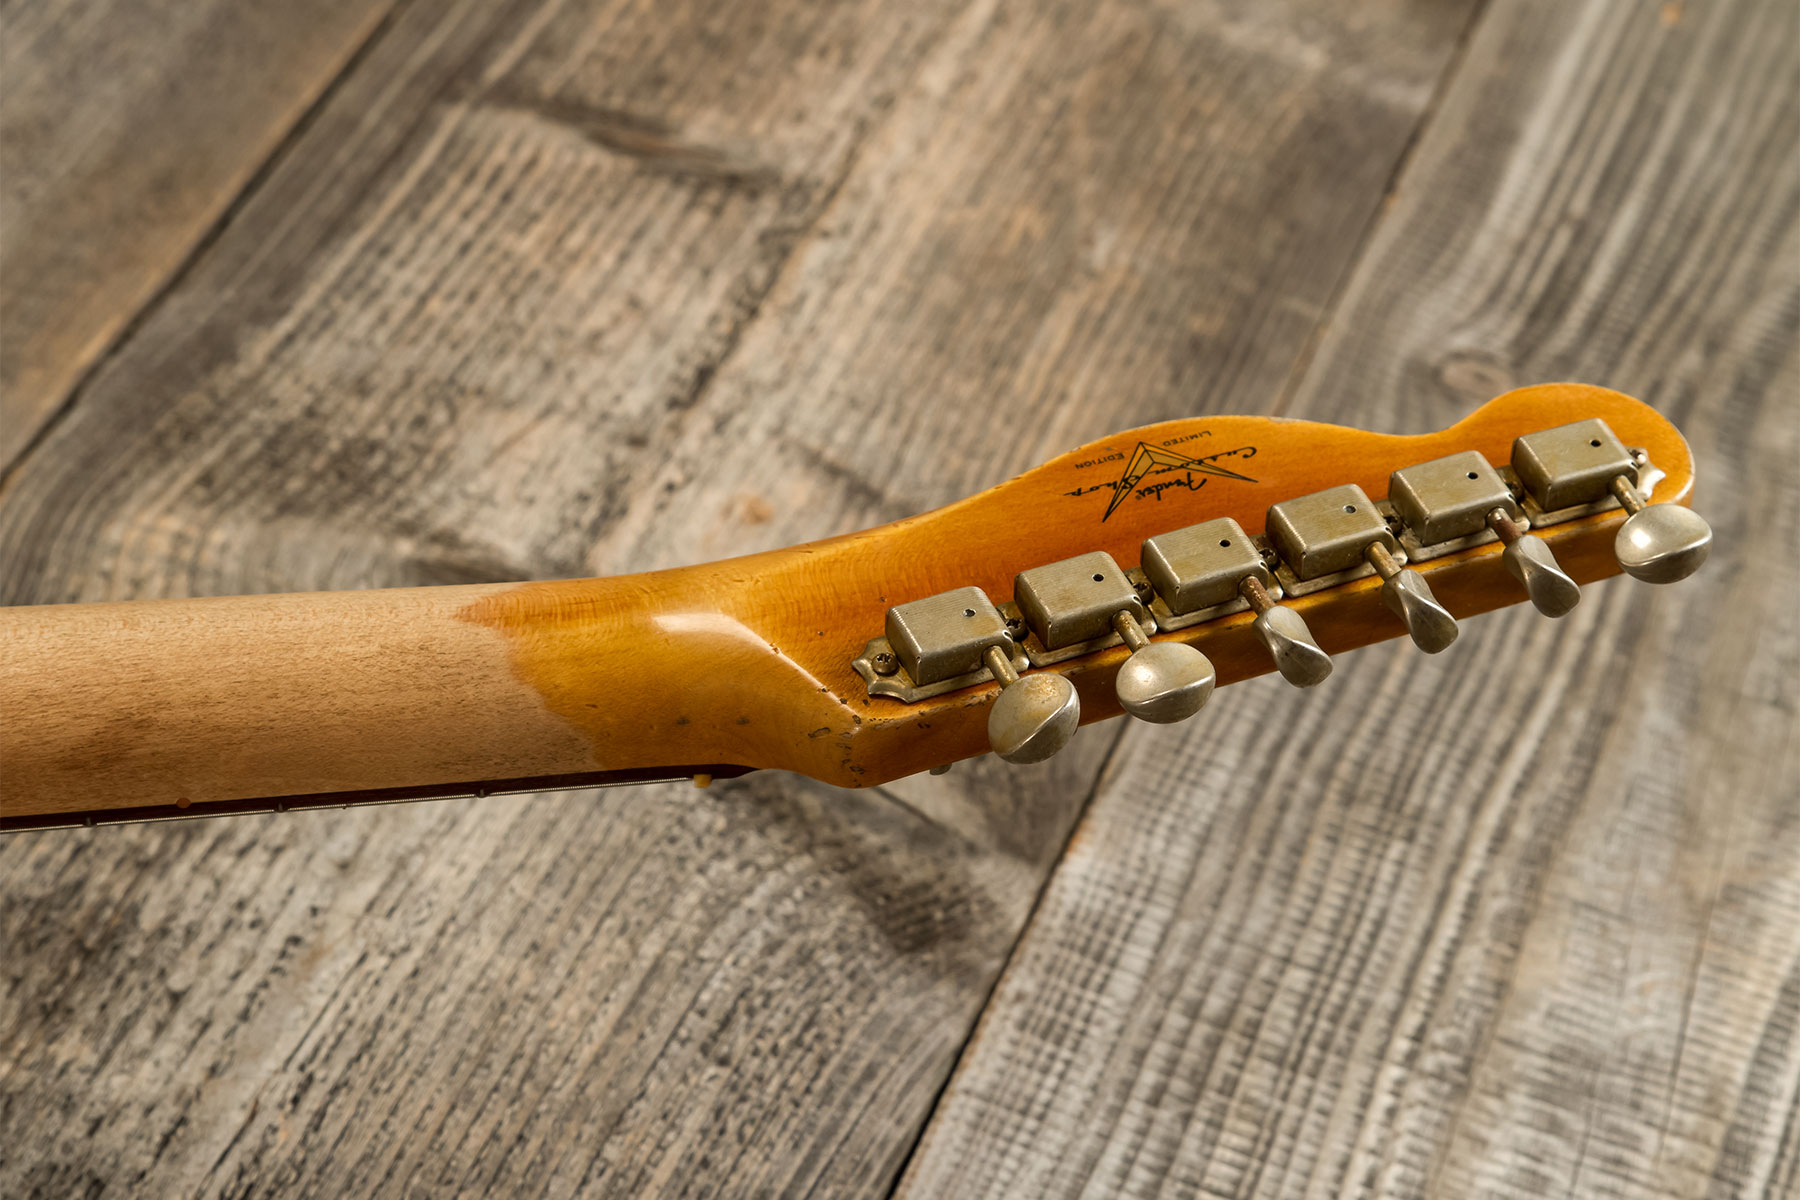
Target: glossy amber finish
741,662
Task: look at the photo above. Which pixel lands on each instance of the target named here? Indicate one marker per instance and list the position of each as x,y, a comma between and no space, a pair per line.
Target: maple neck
130,711
210,705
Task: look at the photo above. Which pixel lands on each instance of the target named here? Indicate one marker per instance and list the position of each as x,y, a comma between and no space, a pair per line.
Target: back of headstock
1139,571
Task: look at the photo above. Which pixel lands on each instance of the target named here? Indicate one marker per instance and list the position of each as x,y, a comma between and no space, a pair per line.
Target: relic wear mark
650,676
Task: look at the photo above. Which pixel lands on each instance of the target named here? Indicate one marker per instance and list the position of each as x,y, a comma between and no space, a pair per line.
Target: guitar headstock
1133,574
1161,543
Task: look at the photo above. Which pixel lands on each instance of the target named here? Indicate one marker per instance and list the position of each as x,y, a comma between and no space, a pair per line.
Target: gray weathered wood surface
560,288
126,130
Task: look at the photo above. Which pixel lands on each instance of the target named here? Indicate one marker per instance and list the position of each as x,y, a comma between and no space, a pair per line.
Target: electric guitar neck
1133,575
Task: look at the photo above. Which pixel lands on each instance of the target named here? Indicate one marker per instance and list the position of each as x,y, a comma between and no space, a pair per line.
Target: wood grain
126,131
1522,920
580,289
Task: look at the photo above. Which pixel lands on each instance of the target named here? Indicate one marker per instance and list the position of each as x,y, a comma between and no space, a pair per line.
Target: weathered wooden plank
125,132
1522,920
563,995
1096,216
569,288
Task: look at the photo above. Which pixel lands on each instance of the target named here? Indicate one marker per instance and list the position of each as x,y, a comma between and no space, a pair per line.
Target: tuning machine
957,639
1083,603
1338,535
1576,469
1459,501
1213,569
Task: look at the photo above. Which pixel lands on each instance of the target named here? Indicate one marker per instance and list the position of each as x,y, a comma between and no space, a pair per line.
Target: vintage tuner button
1461,496
1215,563
1034,716
1162,682
1340,532
1585,463
1297,655
1088,598
1529,559
1659,543
1405,591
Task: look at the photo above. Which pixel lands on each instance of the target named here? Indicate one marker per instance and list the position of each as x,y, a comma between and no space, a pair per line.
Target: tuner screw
1529,559
1162,682
1297,656
1658,543
1033,716
1406,592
